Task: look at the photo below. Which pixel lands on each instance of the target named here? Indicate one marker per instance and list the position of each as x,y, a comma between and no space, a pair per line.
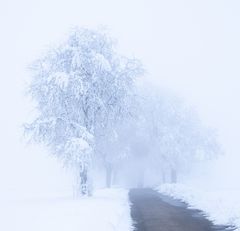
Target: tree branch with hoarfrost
91,114
82,89
178,138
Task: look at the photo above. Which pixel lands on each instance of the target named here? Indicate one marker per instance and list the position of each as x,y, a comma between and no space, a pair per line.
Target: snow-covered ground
220,206
107,210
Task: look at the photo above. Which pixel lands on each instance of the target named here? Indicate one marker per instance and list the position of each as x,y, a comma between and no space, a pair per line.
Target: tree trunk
84,179
108,175
140,179
173,175
163,177
114,176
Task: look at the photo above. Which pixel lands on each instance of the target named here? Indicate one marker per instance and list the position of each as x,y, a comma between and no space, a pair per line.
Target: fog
189,47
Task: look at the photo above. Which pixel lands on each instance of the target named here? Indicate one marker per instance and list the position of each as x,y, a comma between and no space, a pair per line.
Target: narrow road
152,211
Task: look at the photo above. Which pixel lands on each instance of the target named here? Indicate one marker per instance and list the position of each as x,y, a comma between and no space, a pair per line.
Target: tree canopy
91,110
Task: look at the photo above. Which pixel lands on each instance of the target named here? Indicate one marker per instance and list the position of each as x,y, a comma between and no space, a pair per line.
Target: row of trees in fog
94,114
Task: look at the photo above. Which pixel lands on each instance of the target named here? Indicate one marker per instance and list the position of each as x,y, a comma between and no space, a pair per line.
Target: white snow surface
220,206
106,210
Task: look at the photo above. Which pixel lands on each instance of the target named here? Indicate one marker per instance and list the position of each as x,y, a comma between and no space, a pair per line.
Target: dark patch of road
152,211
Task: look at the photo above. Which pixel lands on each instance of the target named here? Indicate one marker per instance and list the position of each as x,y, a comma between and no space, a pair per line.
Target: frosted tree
173,134
181,139
111,146
82,88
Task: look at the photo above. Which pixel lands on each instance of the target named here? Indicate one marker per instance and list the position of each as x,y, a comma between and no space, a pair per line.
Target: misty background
189,47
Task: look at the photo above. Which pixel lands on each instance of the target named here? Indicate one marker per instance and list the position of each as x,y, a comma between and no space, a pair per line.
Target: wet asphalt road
152,211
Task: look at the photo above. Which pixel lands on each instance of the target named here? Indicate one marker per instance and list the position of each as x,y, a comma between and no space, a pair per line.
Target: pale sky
190,47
